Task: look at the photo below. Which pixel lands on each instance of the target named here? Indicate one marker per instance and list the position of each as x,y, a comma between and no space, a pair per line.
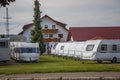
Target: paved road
64,76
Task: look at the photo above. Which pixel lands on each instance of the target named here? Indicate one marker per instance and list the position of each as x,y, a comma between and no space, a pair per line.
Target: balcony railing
52,40
49,30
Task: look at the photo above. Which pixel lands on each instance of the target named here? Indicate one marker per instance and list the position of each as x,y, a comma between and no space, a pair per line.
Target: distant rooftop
87,33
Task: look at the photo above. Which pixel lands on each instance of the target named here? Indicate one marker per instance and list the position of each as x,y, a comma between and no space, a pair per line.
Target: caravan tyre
114,60
99,61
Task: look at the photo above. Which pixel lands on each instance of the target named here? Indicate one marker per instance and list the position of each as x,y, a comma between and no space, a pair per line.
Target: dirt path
64,76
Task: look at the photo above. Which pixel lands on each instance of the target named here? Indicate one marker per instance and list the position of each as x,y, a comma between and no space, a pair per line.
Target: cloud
72,12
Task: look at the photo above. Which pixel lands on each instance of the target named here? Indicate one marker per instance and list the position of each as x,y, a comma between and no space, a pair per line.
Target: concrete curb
67,78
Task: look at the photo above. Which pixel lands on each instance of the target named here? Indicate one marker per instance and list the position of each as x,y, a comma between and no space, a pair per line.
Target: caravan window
89,47
104,47
114,47
55,46
29,50
3,44
16,50
62,47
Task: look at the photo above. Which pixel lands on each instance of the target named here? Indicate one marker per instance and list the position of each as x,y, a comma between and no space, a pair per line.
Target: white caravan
22,51
53,48
71,49
101,50
60,49
4,49
78,49
56,48
66,48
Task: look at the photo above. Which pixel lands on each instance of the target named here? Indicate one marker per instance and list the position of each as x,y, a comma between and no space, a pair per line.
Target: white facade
27,33
48,23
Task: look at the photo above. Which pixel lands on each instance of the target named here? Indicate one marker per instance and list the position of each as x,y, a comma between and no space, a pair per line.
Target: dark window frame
55,45
60,35
4,44
50,35
53,27
46,27
62,47
90,47
114,47
104,47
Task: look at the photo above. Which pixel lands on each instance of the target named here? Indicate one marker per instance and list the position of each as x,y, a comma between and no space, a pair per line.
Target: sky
74,13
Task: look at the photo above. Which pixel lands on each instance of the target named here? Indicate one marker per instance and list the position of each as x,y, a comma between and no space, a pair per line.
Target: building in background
93,33
53,31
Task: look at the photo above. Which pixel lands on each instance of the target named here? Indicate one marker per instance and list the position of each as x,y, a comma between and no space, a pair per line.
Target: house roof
57,22
87,33
27,26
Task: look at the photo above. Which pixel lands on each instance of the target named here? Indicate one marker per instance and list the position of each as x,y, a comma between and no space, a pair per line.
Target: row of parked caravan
91,50
70,49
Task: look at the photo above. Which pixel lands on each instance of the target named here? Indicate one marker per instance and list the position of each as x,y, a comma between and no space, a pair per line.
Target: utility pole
7,22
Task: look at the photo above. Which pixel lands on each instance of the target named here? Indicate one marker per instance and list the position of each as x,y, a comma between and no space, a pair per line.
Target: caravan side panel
4,49
90,49
78,50
109,49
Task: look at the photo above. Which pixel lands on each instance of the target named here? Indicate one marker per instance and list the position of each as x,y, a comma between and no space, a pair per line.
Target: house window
46,26
60,35
45,35
104,47
53,26
114,47
51,35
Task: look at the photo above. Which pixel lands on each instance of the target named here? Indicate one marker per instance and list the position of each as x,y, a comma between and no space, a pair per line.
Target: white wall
49,22
27,33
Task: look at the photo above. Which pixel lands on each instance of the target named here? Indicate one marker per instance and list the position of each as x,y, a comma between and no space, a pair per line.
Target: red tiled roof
25,27
87,33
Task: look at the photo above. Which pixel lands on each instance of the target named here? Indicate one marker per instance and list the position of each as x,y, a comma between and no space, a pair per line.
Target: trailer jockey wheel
99,61
114,60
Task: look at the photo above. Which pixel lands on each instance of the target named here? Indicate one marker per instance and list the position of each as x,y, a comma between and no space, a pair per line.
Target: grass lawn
58,64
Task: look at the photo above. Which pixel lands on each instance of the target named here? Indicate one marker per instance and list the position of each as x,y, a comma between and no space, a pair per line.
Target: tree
5,2
36,33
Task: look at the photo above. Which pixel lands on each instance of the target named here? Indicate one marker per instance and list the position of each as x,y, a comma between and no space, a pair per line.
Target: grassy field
58,64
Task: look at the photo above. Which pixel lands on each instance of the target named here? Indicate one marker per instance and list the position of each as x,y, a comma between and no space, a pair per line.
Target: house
88,33
53,31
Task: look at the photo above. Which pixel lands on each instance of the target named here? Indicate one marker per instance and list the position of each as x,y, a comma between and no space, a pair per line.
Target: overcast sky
75,13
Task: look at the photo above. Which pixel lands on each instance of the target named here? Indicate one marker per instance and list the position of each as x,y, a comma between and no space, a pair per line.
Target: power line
14,27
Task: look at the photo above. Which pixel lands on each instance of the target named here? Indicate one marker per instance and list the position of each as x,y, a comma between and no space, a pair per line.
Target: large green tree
36,33
3,3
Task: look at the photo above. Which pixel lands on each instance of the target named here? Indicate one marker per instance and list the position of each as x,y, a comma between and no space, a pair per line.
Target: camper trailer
22,51
4,49
71,49
102,50
98,50
78,49
53,48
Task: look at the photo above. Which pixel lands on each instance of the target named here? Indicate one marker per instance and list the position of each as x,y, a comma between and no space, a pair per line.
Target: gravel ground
64,76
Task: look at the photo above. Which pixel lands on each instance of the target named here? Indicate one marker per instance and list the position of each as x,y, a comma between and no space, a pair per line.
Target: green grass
58,64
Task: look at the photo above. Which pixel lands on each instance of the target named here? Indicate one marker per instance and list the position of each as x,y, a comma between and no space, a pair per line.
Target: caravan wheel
99,61
114,60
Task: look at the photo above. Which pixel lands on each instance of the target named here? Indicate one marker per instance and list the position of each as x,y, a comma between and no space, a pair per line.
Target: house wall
49,22
27,33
